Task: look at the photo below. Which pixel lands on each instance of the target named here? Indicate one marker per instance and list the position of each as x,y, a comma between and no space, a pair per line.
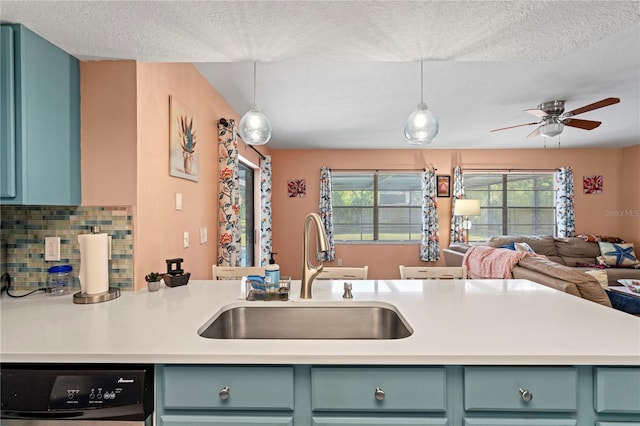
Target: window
511,204
376,206
246,184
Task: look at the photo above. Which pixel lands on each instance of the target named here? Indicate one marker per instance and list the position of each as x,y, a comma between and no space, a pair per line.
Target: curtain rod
508,170
231,122
379,170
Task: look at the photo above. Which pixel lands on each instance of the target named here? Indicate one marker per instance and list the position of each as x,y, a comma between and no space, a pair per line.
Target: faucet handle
347,291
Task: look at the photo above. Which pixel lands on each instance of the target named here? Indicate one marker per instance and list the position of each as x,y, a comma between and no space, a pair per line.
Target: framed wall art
592,184
443,183
296,188
184,157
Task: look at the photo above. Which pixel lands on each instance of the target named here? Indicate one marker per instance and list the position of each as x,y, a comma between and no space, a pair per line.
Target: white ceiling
346,74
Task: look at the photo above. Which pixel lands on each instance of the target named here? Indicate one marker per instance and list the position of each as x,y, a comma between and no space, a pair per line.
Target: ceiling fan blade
595,105
512,127
581,124
537,112
535,133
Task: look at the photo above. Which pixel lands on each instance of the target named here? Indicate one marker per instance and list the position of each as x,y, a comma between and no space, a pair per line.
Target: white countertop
454,322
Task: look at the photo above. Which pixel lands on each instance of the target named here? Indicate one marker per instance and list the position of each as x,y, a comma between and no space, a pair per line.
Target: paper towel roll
94,263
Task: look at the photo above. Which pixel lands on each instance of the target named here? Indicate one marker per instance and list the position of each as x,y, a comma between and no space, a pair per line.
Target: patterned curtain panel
228,195
565,213
457,232
266,245
430,241
326,212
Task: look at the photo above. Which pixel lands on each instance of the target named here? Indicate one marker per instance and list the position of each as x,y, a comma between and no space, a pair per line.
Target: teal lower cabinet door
617,390
523,389
519,422
377,421
173,420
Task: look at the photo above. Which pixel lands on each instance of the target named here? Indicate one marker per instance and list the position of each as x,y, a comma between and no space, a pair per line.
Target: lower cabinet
199,395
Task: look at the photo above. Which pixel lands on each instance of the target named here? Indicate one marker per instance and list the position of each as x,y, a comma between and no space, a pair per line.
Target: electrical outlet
203,235
52,249
339,262
186,239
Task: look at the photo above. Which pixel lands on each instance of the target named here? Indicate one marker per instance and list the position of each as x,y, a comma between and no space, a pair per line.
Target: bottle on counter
272,273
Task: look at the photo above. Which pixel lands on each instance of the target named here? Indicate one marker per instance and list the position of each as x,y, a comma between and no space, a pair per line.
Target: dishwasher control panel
73,391
106,389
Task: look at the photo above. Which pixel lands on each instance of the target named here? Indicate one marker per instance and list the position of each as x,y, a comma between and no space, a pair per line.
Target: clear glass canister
59,280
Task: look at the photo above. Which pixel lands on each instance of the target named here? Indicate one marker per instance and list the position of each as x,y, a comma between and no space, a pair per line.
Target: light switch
186,239
178,201
203,235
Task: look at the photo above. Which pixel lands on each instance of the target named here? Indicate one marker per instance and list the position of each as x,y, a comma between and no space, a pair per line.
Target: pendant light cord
421,83
254,82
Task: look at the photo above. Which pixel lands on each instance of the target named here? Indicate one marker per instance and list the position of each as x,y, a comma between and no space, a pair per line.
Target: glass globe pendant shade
421,126
255,127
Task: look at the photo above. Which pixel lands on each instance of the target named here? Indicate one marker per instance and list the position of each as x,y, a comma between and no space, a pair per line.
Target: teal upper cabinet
40,118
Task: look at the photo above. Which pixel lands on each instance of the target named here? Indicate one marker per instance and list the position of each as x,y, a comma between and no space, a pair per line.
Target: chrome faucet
309,271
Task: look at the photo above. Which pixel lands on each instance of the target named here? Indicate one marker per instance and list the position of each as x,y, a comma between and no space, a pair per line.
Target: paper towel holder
84,298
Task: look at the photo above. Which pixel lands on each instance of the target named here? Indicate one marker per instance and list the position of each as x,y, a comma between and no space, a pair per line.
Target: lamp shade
255,127
466,207
421,126
550,130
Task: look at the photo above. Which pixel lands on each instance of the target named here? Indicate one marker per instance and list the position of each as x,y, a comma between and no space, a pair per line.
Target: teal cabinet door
518,422
7,115
376,421
617,390
383,389
228,388
526,389
45,112
171,420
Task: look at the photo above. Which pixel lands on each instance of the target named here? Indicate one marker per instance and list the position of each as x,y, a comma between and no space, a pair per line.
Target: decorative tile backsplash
24,229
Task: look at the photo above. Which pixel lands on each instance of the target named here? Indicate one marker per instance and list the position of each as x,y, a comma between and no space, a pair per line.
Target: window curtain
228,195
430,241
266,245
457,232
565,213
326,213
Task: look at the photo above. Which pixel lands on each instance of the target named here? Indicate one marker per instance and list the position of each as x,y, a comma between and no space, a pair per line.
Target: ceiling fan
553,118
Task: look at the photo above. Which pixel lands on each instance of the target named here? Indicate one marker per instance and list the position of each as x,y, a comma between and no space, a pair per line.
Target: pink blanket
489,262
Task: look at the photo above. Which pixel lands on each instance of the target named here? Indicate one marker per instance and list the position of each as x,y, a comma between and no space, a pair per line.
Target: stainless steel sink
351,320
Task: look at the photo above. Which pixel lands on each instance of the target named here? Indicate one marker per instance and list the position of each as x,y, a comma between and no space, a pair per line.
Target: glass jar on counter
59,280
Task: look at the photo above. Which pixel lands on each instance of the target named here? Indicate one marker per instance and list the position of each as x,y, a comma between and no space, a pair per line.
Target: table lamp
466,208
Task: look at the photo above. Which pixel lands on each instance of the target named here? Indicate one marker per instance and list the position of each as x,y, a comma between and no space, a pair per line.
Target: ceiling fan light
255,127
421,126
551,129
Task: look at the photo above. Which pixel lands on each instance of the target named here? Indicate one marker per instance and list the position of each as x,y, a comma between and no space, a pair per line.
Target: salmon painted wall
383,260
130,101
630,194
108,132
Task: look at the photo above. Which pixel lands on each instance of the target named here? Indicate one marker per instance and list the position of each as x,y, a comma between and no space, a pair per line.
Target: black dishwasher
77,394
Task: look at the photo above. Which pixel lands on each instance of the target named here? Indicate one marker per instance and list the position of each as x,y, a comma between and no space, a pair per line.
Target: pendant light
421,126
255,127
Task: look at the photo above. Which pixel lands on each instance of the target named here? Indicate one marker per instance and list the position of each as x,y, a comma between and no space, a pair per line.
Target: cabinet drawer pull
224,393
525,394
379,393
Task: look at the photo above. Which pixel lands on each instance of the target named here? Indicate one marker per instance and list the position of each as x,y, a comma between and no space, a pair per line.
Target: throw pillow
618,254
601,276
510,246
523,247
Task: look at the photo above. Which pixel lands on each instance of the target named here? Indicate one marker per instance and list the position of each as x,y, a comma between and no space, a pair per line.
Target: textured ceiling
344,74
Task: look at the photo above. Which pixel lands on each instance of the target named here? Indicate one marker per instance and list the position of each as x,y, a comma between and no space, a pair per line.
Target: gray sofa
559,270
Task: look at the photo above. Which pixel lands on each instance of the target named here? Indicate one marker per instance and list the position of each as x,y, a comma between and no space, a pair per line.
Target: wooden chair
235,272
433,272
357,273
